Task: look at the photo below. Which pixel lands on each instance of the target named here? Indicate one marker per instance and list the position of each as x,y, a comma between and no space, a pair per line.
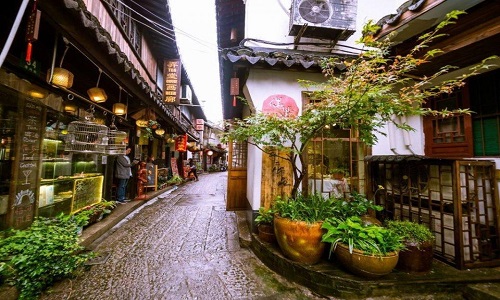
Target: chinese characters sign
181,143
172,81
280,106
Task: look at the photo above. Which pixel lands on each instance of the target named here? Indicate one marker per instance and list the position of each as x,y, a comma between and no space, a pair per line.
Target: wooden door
237,177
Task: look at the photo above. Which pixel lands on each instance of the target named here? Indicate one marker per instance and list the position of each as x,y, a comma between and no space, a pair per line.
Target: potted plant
365,250
176,179
419,246
357,205
339,173
297,225
265,226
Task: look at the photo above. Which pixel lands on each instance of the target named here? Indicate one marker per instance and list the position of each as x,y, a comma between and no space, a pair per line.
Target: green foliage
371,239
365,96
176,179
413,234
265,216
355,205
311,208
45,252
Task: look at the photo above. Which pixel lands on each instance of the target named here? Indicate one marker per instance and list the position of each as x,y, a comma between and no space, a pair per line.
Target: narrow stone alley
179,245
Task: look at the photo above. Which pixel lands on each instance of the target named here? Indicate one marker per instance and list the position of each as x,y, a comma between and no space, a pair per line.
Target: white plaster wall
269,20
400,142
260,85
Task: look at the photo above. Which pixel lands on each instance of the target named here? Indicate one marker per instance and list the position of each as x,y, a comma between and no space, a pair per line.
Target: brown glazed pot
370,266
416,259
266,233
298,240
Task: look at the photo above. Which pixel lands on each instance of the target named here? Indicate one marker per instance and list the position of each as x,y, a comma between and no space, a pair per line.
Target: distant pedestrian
192,169
123,174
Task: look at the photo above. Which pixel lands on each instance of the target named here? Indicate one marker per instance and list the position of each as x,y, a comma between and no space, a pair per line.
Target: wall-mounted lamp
119,108
37,92
60,76
97,94
210,153
70,108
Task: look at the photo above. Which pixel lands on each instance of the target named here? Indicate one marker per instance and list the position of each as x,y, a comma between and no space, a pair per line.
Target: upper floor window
449,136
485,102
477,134
123,15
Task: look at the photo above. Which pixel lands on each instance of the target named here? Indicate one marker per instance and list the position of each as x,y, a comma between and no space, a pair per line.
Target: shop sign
181,143
199,124
27,178
172,81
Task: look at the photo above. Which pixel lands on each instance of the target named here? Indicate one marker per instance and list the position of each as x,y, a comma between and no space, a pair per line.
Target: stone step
483,291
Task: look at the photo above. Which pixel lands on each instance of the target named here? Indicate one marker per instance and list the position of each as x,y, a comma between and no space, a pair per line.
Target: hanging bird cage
86,136
117,142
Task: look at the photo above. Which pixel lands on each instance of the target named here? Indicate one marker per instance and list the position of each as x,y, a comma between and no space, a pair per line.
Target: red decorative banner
181,143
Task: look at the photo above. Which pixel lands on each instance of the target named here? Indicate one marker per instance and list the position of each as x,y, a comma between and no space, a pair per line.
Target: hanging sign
172,81
181,143
199,124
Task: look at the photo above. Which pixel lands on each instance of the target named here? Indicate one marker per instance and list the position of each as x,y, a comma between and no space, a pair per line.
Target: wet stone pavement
180,245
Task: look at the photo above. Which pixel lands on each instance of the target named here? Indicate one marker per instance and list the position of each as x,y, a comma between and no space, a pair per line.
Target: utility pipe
390,129
406,135
13,31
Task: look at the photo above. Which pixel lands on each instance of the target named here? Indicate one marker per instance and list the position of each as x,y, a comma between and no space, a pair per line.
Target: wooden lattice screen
457,199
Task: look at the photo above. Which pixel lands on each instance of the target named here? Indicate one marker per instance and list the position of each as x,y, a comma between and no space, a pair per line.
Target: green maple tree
373,88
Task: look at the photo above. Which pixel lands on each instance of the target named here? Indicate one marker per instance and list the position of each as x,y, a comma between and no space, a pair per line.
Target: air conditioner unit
330,19
186,94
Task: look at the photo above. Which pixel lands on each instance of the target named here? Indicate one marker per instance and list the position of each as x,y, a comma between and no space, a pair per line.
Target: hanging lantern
119,109
61,77
141,123
97,94
234,89
160,131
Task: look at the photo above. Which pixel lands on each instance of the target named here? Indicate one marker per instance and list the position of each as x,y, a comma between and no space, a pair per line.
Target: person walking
123,174
192,169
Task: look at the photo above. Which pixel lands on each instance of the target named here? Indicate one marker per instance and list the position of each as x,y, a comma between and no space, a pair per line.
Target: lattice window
239,155
450,136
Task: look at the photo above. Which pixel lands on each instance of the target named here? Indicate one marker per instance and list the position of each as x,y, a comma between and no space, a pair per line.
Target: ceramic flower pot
416,259
266,233
298,240
371,266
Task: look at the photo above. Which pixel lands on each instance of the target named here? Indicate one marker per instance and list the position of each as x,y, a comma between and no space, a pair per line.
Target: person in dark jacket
123,174
192,169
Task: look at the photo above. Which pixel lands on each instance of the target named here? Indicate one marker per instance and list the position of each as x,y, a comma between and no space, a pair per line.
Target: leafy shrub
176,179
311,208
413,234
355,205
371,239
36,257
265,216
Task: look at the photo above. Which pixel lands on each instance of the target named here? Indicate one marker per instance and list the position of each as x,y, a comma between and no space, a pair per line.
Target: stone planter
298,240
266,233
416,259
371,266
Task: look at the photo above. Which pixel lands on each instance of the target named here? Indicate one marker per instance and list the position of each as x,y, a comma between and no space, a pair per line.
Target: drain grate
100,259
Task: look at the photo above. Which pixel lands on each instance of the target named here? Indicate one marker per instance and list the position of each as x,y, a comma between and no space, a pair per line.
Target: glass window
335,161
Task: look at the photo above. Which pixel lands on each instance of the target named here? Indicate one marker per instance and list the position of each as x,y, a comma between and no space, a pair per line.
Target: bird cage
87,137
117,142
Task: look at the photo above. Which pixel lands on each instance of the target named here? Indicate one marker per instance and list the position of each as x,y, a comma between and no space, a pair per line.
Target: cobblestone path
183,245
